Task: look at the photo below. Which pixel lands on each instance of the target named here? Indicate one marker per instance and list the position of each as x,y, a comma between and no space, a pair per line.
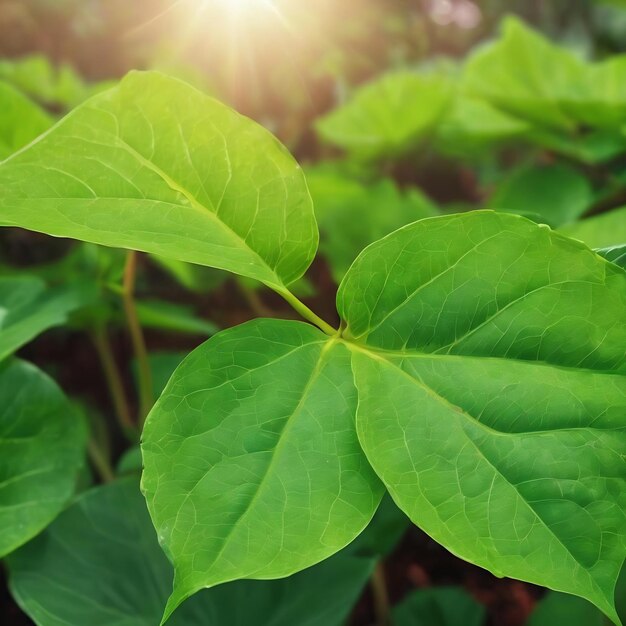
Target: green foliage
46,83
577,108
560,608
100,563
278,481
21,120
520,401
101,176
554,194
615,254
388,116
42,441
28,308
439,607
351,215
600,231
477,374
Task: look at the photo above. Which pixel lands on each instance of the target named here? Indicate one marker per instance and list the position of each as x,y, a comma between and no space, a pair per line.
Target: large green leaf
155,165
99,564
42,444
252,464
28,307
601,231
351,215
388,116
439,607
488,354
21,120
556,194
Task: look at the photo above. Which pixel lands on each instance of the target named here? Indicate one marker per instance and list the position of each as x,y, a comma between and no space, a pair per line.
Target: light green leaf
615,254
42,443
59,86
555,194
100,564
351,215
561,608
576,106
28,307
439,607
472,124
157,166
601,231
489,359
388,116
527,76
252,464
21,120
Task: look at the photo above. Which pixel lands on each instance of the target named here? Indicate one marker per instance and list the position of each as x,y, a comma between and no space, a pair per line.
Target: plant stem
381,597
100,462
253,300
306,313
113,379
146,397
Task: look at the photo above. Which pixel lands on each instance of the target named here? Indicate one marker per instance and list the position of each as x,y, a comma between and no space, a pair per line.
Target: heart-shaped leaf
252,464
155,165
488,354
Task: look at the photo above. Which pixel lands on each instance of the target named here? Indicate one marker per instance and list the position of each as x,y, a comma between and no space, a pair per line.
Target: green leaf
556,194
252,464
601,231
577,107
527,76
439,607
472,124
388,116
21,120
178,318
58,86
28,307
351,215
157,166
162,366
561,608
100,563
488,353
615,254
42,443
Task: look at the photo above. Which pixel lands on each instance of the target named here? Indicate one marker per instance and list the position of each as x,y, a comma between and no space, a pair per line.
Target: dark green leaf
100,564
439,607
27,308
42,443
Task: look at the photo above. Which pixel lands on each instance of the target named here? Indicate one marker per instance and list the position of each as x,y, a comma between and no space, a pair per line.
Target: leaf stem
100,462
381,596
254,301
114,380
146,396
306,313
